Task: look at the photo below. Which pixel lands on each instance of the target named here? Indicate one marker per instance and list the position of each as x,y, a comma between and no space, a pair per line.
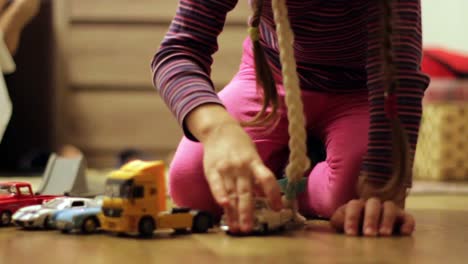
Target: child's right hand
232,166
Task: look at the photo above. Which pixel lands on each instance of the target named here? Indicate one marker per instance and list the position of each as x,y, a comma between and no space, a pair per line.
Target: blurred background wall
445,23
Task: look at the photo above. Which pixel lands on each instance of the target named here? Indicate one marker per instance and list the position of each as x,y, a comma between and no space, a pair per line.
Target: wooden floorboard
441,237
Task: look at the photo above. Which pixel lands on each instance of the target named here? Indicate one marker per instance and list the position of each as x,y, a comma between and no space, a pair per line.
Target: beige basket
442,149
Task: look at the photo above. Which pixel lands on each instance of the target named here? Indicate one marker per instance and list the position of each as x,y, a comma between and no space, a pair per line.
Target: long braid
298,160
263,72
400,143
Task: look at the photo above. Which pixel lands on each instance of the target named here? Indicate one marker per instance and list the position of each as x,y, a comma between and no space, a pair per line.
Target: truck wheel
89,225
202,222
5,218
146,227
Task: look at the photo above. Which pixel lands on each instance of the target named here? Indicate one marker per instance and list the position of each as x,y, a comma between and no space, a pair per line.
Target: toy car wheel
202,222
89,226
146,227
5,218
46,224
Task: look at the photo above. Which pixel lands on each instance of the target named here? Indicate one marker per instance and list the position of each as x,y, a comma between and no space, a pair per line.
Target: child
358,66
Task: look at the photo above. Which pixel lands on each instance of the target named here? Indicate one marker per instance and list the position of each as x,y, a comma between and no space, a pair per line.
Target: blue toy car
84,220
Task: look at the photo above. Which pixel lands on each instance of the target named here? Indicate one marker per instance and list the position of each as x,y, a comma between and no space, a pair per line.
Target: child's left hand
372,218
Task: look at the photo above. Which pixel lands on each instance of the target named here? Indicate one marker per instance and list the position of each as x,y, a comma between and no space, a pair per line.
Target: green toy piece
292,190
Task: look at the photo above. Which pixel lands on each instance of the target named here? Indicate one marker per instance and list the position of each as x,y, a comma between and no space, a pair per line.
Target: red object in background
449,75
444,63
15,195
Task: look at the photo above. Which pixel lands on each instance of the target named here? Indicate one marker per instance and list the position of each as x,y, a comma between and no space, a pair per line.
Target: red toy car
14,195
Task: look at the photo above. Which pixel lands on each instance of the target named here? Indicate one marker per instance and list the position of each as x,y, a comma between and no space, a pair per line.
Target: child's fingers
353,216
372,217
338,219
217,188
389,215
408,225
245,204
231,209
268,183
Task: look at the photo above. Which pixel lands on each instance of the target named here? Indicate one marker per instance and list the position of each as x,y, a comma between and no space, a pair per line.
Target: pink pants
340,121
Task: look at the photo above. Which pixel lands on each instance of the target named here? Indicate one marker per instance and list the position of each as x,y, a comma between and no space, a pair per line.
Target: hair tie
254,33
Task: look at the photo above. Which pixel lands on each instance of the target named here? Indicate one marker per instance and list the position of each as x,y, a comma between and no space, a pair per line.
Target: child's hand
232,168
372,218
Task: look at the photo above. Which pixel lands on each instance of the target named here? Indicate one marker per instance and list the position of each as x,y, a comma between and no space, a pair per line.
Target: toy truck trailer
135,202
15,195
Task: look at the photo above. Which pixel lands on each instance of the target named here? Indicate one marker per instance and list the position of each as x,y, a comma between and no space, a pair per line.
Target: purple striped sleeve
182,66
412,84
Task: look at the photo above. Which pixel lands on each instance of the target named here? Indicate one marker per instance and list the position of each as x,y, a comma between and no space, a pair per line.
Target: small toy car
15,195
266,220
37,216
83,219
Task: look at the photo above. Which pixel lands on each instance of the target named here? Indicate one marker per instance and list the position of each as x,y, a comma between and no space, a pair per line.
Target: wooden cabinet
119,56
141,10
112,104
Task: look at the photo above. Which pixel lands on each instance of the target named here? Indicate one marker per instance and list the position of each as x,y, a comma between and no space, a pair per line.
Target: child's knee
344,179
324,205
338,199
188,188
342,187
180,183
333,183
345,168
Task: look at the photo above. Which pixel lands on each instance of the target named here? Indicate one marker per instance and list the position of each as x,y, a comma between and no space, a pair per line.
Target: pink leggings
340,121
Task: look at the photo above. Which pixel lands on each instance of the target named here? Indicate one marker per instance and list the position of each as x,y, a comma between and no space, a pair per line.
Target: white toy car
37,216
266,220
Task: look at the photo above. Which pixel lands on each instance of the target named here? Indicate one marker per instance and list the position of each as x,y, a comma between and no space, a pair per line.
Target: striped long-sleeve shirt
337,47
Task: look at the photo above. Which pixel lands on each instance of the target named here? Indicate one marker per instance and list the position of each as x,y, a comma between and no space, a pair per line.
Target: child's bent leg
333,182
187,184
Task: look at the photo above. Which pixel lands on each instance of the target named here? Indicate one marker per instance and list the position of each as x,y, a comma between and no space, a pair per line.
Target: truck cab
135,190
135,201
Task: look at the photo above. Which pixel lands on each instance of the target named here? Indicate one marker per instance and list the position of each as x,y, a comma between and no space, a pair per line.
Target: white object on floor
7,65
64,175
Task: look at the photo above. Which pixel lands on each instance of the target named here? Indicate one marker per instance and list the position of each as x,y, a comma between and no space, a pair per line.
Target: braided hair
298,161
264,75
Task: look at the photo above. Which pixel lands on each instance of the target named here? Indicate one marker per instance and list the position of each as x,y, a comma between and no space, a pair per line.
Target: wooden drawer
119,56
140,10
115,120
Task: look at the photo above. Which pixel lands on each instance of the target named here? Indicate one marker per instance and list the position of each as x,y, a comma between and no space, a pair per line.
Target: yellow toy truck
135,202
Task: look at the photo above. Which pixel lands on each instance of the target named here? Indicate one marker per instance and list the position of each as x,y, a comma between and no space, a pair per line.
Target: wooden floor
441,237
